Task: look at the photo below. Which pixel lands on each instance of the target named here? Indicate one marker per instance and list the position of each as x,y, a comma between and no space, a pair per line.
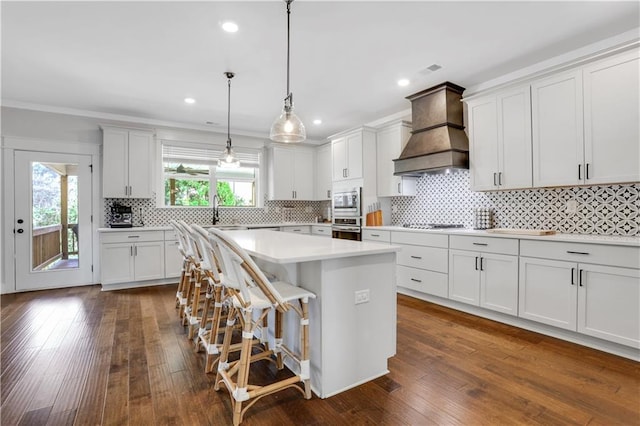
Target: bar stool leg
223,363
305,367
278,336
240,393
212,341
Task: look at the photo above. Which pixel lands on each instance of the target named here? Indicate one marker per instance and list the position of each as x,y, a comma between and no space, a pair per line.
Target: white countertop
574,238
220,225
287,247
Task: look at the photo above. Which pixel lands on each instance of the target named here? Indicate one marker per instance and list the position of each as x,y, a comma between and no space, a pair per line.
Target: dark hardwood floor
82,356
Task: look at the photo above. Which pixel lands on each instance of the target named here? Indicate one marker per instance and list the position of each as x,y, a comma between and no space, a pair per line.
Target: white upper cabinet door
483,146
390,141
281,174
323,172
339,158
303,174
140,161
115,160
354,155
611,119
514,139
558,145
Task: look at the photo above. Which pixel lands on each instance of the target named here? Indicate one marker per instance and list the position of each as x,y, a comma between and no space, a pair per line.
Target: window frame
216,149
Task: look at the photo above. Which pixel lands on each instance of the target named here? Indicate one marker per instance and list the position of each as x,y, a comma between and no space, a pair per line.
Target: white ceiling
141,59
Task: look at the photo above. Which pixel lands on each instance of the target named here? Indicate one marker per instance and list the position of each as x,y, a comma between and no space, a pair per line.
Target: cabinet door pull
416,257
573,270
346,172
580,277
133,236
135,250
579,171
499,178
375,235
328,193
494,179
480,244
481,267
415,280
586,173
577,252
476,263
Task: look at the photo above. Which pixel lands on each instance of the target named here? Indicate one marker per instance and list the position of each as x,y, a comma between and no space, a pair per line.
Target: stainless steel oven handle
345,228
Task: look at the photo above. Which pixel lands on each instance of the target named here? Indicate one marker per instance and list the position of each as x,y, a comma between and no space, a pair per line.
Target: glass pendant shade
287,128
228,159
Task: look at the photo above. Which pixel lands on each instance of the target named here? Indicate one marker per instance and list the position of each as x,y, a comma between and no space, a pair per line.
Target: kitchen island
352,319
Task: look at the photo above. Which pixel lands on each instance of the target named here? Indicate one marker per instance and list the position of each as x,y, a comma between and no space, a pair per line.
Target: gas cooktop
431,225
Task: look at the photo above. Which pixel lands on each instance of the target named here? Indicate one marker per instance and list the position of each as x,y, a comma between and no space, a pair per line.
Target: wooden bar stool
186,273
252,297
196,296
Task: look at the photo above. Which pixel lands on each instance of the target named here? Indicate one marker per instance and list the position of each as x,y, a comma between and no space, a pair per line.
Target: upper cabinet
576,127
127,158
585,124
291,172
611,120
558,143
500,140
347,153
323,172
390,141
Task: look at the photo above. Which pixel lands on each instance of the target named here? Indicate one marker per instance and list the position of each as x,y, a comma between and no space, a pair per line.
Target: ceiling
141,59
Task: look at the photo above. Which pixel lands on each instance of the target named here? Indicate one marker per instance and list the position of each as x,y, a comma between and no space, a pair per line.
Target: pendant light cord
288,49
229,112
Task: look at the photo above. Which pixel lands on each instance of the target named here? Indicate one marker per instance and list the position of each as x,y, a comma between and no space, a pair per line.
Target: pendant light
228,159
288,127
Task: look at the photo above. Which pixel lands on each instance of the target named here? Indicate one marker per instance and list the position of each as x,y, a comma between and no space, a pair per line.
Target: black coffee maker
121,216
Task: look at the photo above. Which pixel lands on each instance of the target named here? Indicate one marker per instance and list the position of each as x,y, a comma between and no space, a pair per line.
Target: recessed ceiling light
403,82
189,100
317,121
230,27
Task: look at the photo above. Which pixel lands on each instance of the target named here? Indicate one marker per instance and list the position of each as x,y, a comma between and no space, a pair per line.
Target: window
190,172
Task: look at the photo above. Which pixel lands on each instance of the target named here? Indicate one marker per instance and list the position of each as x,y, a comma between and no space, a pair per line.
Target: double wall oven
347,214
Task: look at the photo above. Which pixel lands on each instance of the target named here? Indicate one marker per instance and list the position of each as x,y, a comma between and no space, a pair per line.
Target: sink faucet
216,212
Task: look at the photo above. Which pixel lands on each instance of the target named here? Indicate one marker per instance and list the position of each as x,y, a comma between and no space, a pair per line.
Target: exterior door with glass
52,226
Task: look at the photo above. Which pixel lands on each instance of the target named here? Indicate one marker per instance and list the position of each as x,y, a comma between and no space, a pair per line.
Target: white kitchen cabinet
127,157
132,256
557,122
500,140
291,173
611,117
303,229
173,259
376,235
321,230
347,153
485,277
597,300
323,172
390,141
422,262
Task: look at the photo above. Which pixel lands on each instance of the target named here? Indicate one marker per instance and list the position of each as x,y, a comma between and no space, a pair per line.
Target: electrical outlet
362,296
571,207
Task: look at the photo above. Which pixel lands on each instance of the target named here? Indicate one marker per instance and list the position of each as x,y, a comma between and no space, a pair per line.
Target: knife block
374,218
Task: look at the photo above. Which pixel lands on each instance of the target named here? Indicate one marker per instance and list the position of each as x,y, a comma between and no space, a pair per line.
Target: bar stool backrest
210,259
186,241
192,249
179,237
252,270
234,277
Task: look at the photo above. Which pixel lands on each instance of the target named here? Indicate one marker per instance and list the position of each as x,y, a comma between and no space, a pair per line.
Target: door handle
399,188
579,171
499,178
415,280
577,252
416,257
586,172
494,179
580,277
481,267
476,263
573,270
480,244
328,193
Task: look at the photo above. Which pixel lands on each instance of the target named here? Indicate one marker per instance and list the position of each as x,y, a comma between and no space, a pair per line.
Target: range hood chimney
438,142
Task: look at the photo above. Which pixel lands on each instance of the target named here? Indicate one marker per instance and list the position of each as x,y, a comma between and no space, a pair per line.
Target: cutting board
522,231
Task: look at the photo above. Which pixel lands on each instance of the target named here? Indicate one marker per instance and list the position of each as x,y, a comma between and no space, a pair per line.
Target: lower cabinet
600,301
172,257
484,279
422,262
321,230
303,229
132,256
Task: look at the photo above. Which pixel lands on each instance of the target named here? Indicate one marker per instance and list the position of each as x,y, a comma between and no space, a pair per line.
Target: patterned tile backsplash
610,209
274,211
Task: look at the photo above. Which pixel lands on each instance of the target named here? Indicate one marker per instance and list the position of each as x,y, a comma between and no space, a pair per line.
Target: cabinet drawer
484,244
376,235
131,237
430,258
297,229
624,256
424,281
324,231
420,239
170,236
